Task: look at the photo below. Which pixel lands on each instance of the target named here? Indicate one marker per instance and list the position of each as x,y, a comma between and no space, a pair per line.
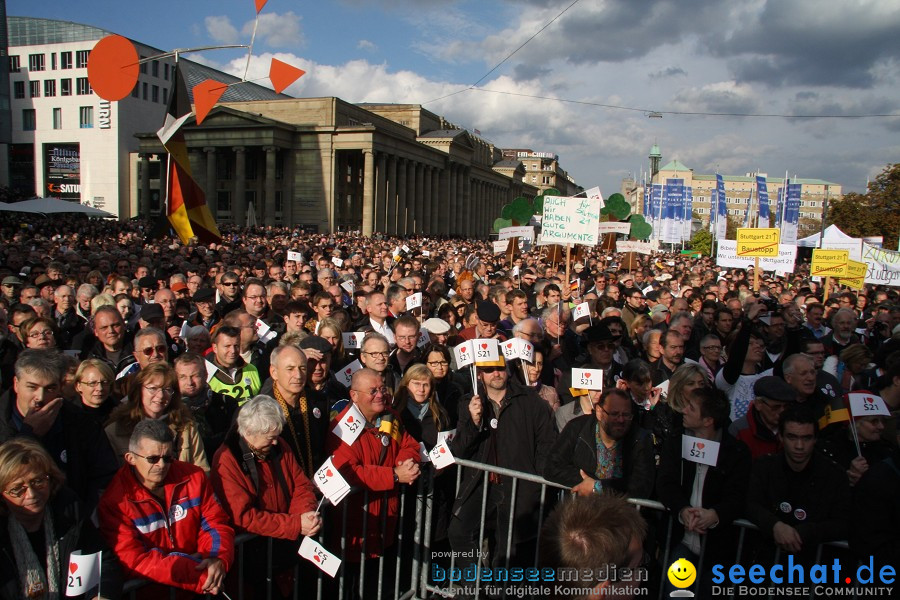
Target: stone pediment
224,116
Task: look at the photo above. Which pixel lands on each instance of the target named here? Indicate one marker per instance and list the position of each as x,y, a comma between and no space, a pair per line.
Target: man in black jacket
628,465
504,425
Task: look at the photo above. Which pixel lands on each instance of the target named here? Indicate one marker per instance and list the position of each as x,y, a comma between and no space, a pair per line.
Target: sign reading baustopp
757,242
829,263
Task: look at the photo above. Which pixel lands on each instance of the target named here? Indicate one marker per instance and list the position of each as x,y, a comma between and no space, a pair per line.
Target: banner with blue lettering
791,221
688,212
779,207
656,201
722,209
646,212
762,198
674,193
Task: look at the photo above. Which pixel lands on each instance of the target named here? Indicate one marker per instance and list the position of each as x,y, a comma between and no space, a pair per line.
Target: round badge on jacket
494,423
785,507
316,412
385,440
800,514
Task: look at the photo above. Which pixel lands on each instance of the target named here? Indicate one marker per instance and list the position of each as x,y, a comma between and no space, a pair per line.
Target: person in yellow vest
233,377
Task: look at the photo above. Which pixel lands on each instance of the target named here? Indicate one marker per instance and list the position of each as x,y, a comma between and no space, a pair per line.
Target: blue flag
762,197
722,209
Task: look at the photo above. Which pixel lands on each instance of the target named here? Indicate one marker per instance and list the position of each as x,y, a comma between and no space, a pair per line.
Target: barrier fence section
404,573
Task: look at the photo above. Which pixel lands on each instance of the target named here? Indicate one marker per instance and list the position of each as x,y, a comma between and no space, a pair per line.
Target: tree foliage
702,241
877,212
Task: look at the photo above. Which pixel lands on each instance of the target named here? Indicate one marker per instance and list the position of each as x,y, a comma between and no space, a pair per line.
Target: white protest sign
338,262
414,301
295,256
353,339
265,333
614,227
316,553
84,572
500,246
185,328
884,265
524,231
663,389
486,350
349,287
426,253
441,456
570,220
446,435
424,339
636,247
526,350
510,349
345,375
594,194
582,310
350,426
784,263
515,271
863,404
587,379
210,371
699,450
331,483
405,249
464,354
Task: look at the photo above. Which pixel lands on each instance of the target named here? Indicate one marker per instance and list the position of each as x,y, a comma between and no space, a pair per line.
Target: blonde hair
18,455
94,363
102,300
420,372
676,397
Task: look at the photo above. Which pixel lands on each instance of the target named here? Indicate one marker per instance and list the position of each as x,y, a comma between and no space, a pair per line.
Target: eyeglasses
711,348
374,391
100,382
155,458
149,350
229,283
492,369
153,390
616,416
38,483
438,363
255,298
406,338
604,345
36,335
378,354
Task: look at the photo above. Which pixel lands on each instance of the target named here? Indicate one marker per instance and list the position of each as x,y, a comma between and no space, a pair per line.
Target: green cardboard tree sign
519,211
618,209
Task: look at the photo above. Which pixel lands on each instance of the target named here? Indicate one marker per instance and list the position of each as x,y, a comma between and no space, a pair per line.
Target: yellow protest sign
829,263
856,275
761,242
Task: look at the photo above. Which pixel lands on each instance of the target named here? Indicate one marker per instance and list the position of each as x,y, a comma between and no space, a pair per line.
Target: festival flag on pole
762,198
186,202
747,212
688,211
791,221
721,209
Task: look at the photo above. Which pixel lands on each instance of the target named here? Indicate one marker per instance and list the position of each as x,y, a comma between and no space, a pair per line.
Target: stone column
212,200
465,211
239,202
427,200
391,222
380,192
407,223
368,205
287,189
420,200
144,204
269,213
452,204
402,166
441,210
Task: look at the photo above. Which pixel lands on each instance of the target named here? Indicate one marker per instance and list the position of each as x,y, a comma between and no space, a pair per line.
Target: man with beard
672,344
406,334
610,433
844,324
601,346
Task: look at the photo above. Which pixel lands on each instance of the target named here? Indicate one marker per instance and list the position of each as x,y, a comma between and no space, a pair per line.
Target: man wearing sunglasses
161,517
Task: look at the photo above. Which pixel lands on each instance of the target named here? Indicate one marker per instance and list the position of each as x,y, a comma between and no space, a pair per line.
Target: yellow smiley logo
682,573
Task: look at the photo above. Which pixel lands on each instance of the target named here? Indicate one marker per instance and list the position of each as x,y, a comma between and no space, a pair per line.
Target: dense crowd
185,394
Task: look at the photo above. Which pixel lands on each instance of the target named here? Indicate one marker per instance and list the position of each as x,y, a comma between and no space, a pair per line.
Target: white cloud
221,30
366,45
277,30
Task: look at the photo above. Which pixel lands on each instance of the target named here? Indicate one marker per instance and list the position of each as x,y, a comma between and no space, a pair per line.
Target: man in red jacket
759,427
161,518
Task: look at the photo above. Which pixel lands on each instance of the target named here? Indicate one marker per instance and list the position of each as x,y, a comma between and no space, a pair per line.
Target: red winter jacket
360,466
267,512
156,541
754,433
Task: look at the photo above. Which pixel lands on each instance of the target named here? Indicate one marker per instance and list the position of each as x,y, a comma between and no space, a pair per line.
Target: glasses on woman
44,334
437,363
92,384
38,483
154,390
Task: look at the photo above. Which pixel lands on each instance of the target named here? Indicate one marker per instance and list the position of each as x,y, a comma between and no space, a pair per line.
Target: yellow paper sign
856,275
753,241
829,263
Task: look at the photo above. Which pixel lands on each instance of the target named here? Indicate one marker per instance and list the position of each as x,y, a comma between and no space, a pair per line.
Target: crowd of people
182,395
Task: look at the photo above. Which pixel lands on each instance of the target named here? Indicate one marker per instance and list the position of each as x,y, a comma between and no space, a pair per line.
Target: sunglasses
155,458
160,349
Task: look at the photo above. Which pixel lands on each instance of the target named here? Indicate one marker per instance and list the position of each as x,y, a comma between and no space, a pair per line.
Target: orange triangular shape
282,75
260,4
206,94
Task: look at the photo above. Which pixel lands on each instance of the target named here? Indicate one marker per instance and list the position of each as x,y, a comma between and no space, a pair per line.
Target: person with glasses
406,334
229,288
162,519
438,359
601,346
39,333
375,354
43,523
154,395
711,355
507,425
93,383
635,306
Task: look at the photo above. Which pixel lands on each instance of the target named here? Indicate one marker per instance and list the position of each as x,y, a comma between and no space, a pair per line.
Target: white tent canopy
49,206
834,239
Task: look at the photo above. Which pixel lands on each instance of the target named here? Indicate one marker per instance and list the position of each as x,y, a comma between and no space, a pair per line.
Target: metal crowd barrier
412,558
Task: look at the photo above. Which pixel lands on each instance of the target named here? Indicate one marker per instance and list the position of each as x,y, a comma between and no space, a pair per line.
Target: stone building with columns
324,164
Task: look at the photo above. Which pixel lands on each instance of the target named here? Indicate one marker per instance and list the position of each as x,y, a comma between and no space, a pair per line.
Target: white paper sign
414,301
637,247
486,350
446,435
405,249
424,339
441,456
582,310
426,253
295,256
510,349
727,257
316,553
338,262
570,220
614,227
587,379
699,450
867,405
265,333
84,572
465,354
184,330
210,371
331,483
350,426
345,375
500,246
515,272
525,232
663,389
353,339
349,287
526,350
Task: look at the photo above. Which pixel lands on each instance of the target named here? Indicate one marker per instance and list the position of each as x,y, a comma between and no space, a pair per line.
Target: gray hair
374,335
790,363
86,289
279,350
609,310
262,414
197,331
154,430
39,303
278,285
680,316
518,326
45,363
645,341
564,313
141,333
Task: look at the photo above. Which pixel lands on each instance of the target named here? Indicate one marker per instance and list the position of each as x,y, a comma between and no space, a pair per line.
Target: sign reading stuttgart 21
62,171
570,220
757,242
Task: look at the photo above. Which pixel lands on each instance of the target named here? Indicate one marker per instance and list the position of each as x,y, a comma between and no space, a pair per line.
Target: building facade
542,170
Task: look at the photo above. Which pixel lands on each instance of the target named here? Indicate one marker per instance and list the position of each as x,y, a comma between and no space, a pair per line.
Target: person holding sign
406,334
703,478
856,451
39,511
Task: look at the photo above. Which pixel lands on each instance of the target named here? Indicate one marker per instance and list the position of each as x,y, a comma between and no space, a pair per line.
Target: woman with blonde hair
41,526
330,330
416,401
154,395
667,413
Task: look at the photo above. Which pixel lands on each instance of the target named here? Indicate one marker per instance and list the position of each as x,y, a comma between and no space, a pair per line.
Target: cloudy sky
771,57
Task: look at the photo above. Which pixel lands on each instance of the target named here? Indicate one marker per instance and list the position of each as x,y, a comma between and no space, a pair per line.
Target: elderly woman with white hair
260,483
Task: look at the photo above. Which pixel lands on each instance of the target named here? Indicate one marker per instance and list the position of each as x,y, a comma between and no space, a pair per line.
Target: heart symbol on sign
443,451
73,567
329,473
700,445
350,418
587,375
349,371
484,346
870,400
316,558
462,350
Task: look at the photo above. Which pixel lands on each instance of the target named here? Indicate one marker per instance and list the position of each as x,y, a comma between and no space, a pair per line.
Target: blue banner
674,193
762,197
721,209
791,221
656,198
688,212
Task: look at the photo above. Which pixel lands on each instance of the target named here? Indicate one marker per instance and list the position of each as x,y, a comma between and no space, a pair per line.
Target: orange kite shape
260,4
206,94
113,67
282,75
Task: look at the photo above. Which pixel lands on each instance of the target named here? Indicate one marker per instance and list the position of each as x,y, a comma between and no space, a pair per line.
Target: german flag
835,412
185,200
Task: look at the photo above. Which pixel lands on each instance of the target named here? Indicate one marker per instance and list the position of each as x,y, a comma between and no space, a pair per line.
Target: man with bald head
67,320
